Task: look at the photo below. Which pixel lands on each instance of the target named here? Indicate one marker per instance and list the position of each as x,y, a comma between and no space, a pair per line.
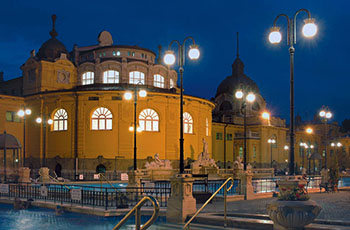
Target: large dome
52,48
238,80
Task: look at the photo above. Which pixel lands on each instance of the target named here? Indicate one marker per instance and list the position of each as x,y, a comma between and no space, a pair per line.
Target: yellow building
79,97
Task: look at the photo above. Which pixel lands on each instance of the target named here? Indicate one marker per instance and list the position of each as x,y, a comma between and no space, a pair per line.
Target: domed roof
9,141
238,80
52,48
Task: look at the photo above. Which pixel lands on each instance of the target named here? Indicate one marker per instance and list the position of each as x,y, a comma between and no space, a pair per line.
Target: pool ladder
137,210
187,225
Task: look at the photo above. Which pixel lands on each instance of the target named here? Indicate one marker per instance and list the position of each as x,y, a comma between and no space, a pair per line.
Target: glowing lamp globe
310,28
28,111
139,129
328,115
127,95
239,94
332,144
194,52
286,147
322,113
131,128
169,58
251,97
143,93
20,113
50,121
339,144
309,130
265,115
275,35
38,120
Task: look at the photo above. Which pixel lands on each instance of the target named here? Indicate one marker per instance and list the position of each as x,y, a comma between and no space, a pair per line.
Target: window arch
60,120
149,120
158,81
225,105
88,78
188,123
110,76
136,76
101,119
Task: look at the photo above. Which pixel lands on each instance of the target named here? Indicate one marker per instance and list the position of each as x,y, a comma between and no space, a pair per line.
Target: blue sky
321,64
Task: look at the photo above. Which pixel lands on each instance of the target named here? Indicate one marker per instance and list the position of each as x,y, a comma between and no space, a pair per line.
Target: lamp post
169,59
24,113
325,114
336,146
271,142
128,96
309,30
250,98
309,131
44,121
309,158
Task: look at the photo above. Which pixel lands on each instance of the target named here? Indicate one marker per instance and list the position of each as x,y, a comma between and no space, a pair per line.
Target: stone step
194,226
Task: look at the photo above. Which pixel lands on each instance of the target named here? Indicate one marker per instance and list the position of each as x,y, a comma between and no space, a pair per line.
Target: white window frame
88,78
158,81
149,120
101,119
188,123
206,127
60,120
172,83
136,76
110,77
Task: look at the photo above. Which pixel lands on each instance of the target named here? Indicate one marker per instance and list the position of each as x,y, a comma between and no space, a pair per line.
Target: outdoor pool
44,219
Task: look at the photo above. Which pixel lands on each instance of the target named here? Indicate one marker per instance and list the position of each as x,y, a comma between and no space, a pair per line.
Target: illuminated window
229,137
240,151
188,123
172,83
158,81
101,119
218,136
88,78
206,127
149,120
111,76
254,151
136,77
60,120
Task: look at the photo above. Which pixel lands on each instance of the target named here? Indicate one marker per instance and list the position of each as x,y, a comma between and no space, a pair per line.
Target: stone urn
292,214
293,209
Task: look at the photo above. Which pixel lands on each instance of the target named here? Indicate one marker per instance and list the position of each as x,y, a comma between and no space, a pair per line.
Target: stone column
135,178
24,175
181,202
246,186
44,174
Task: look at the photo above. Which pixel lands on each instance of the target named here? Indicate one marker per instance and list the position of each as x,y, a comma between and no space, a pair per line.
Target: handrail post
225,205
106,204
137,218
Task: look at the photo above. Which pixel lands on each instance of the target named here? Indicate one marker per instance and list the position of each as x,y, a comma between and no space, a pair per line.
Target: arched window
136,77
225,105
101,119
60,120
158,81
101,168
206,127
88,78
111,76
188,123
149,120
172,83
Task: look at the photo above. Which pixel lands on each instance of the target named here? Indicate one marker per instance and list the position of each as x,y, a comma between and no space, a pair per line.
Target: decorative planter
292,214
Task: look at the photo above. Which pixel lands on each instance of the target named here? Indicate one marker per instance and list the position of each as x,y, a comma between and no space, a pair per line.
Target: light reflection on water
46,219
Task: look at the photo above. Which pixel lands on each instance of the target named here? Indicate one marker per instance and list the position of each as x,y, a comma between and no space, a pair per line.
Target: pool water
46,219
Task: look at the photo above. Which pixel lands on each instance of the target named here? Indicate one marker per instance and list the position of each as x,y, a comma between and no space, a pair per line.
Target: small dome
237,81
52,48
9,141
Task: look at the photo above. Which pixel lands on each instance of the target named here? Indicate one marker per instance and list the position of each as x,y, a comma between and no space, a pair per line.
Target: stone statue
204,159
238,163
158,163
205,147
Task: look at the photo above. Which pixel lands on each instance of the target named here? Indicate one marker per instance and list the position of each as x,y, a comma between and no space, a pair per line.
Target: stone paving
335,206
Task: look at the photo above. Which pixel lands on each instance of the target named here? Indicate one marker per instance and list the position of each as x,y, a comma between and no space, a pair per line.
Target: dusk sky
322,74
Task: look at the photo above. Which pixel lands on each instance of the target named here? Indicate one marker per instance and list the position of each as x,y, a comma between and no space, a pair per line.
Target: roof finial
53,32
237,54
159,59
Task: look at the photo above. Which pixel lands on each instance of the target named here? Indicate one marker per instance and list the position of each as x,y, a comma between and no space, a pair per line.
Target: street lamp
325,114
271,142
275,37
169,59
24,113
249,98
128,96
44,121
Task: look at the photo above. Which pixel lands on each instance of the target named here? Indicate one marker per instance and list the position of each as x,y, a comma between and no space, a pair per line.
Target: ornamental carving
63,77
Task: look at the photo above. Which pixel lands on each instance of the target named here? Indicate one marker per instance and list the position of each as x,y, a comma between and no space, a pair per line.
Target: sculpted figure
158,163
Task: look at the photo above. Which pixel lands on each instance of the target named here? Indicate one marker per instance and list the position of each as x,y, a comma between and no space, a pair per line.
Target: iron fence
262,185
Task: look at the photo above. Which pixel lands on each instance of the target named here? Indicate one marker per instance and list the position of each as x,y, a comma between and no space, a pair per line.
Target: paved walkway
335,206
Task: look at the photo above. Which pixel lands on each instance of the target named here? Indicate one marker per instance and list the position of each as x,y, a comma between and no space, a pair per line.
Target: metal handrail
100,174
137,210
57,181
212,196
